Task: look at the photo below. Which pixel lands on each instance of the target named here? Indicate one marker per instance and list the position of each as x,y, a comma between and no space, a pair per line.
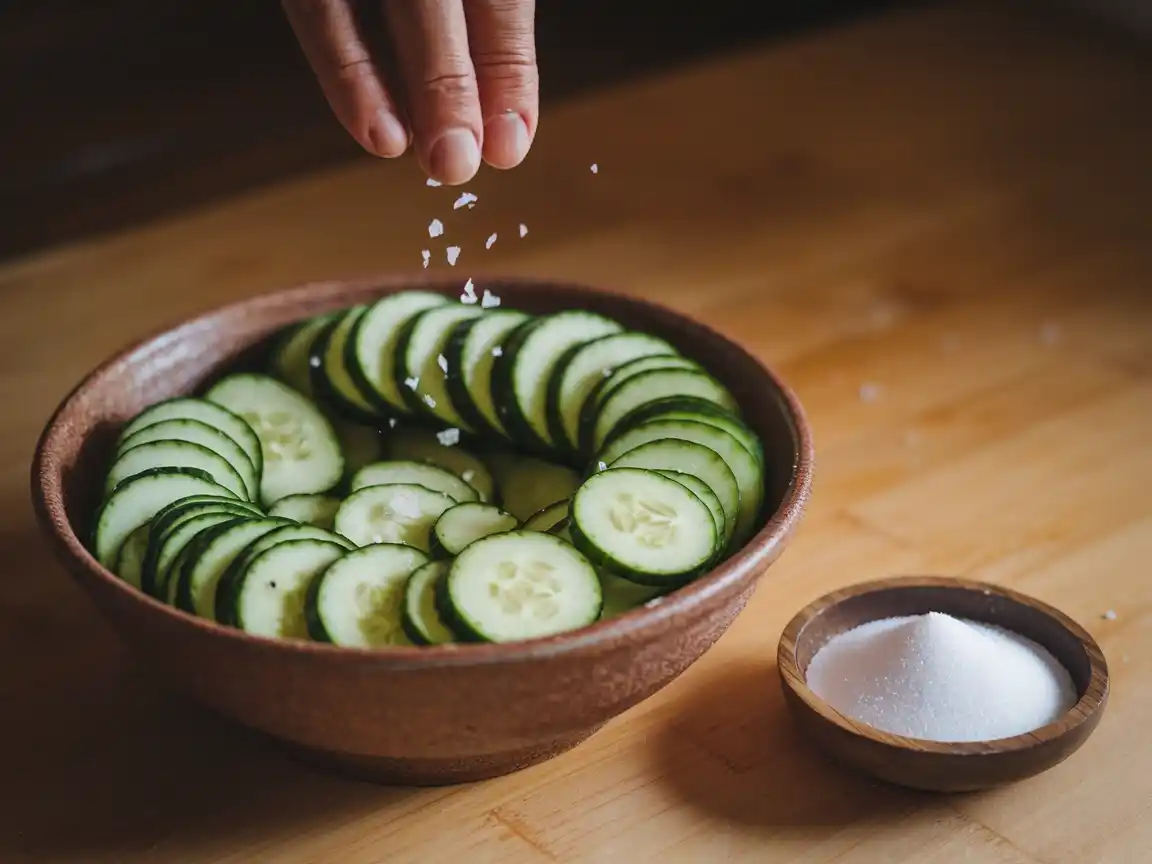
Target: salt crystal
453,252
595,168
491,241
869,392
489,300
468,475
1110,615
412,383
523,230
449,438
431,402
314,362
435,228
442,362
941,678
426,255
391,422
497,351
466,200
469,295
602,466
431,182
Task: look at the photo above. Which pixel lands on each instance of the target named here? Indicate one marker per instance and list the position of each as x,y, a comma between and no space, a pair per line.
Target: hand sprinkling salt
491,241
435,228
497,351
453,253
449,438
431,182
523,230
412,383
426,255
442,362
595,169
466,200
489,300
469,295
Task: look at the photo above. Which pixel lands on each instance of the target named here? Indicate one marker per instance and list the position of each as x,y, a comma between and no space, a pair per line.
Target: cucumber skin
233,619
657,408
504,396
450,619
603,561
455,385
414,634
312,618
385,410
553,408
326,393
412,631
158,531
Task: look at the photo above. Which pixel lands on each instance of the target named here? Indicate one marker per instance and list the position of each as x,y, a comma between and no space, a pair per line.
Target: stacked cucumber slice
422,472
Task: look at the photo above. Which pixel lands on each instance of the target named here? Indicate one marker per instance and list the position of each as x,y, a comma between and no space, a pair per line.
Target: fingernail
505,140
455,157
388,135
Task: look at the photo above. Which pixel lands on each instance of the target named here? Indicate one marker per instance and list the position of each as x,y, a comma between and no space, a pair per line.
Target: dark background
117,111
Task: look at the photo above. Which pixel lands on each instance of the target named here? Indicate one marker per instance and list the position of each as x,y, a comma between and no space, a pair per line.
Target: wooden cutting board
935,225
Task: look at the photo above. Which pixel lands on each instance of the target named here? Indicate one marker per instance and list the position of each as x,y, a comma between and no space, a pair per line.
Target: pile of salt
941,678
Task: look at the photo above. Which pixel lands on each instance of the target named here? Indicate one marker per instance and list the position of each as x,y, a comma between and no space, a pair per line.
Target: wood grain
947,205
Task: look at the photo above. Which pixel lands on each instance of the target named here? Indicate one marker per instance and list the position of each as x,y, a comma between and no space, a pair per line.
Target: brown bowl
410,715
932,765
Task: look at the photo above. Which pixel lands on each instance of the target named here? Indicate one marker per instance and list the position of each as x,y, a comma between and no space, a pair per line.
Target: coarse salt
412,383
426,256
523,230
489,300
449,437
431,182
435,228
1110,615
453,253
465,200
468,475
469,295
391,422
941,678
603,466
595,169
497,351
491,241
430,401
442,362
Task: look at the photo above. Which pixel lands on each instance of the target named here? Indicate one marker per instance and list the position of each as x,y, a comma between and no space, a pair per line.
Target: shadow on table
731,750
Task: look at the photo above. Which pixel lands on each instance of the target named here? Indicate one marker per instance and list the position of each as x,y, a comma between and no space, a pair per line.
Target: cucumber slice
419,473
318,510
130,561
520,376
216,416
374,340
418,354
301,454
291,356
197,432
422,446
466,523
135,501
167,538
269,594
704,492
174,547
361,445
643,527
397,513
591,407
358,602
174,454
227,584
693,408
212,553
528,485
420,619
583,367
622,596
650,386
331,378
471,354
747,471
547,518
519,585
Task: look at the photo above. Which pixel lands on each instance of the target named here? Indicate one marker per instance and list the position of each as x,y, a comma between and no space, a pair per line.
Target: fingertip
506,140
454,157
387,136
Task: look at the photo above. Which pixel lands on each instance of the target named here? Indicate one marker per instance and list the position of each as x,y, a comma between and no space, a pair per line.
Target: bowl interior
178,361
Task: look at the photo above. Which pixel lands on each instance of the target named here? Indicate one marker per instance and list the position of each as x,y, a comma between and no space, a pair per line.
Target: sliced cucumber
358,602
291,357
198,432
422,344
693,408
519,585
521,374
584,366
643,526
318,510
135,501
421,620
213,552
621,595
650,386
397,513
528,485
331,378
420,473
374,340
165,543
268,597
361,445
466,523
301,453
130,561
704,492
471,355
423,446
174,454
174,548
547,518
747,471
216,416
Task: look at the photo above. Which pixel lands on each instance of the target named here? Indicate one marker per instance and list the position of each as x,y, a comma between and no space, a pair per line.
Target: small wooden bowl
931,765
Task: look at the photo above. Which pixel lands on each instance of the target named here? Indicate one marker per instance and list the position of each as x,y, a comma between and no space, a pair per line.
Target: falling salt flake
869,392
435,228
431,182
1110,615
489,300
442,362
523,230
411,383
466,200
314,362
431,402
497,351
469,295
1050,333
595,169
391,422
453,253
602,466
449,438
491,241
468,475
426,254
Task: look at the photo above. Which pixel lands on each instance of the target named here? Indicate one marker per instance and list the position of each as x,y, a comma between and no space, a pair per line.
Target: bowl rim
1086,710
48,493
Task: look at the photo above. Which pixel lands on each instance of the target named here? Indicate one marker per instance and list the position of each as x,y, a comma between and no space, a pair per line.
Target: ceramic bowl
930,765
409,715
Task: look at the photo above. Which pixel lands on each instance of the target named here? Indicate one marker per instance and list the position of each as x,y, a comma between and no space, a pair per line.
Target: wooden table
935,225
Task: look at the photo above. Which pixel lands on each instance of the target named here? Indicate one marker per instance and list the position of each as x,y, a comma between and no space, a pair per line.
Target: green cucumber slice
419,351
621,595
704,492
466,523
198,432
397,513
332,381
547,518
693,408
216,416
423,446
471,354
291,356
269,594
419,473
420,619
130,561
527,485
174,454
212,553
318,510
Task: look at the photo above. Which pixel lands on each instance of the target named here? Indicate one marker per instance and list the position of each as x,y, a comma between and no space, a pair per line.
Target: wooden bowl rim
48,493
1091,702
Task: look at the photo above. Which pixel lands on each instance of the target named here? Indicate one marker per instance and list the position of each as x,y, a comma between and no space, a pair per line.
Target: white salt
497,351
489,300
412,383
491,241
435,228
431,402
465,200
469,295
431,182
523,230
442,362
426,256
941,678
452,253
595,169
1110,615
449,438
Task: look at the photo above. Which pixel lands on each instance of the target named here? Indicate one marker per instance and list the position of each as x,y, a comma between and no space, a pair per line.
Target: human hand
466,75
